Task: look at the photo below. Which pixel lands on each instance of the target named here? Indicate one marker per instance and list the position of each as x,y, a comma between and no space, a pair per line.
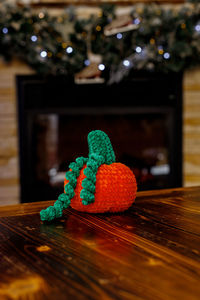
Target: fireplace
142,116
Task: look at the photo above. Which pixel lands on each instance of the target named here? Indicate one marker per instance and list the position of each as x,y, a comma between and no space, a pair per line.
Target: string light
69,50
98,28
33,38
101,67
5,30
160,50
126,63
183,25
158,12
152,41
43,54
197,27
87,62
166,55
119,36
100,14
60,19
84,34
136,21
59,39
64,45
138,49
141,29
41,15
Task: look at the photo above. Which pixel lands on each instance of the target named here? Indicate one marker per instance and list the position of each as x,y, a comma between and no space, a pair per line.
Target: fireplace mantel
148,101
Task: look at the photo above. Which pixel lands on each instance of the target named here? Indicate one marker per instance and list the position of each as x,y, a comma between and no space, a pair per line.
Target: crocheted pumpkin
96,184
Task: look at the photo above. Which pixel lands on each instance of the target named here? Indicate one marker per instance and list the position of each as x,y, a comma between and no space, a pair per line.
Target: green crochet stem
100,152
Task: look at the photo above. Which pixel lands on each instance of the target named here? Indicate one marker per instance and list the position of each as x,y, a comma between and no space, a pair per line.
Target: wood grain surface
151,251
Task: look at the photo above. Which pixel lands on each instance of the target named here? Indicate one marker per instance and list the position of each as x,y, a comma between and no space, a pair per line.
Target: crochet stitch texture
95,184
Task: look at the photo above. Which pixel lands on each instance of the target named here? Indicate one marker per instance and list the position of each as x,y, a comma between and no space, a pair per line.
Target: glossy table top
151,251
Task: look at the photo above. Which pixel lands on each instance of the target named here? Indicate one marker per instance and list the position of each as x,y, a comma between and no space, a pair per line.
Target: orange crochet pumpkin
95,184
115,189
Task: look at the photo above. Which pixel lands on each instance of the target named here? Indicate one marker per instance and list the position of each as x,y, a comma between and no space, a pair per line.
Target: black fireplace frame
45,94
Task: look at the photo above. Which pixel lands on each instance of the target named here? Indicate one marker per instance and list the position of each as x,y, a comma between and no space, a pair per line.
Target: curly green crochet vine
100,152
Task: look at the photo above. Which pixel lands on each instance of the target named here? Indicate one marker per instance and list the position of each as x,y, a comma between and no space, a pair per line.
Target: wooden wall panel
9,171
191,133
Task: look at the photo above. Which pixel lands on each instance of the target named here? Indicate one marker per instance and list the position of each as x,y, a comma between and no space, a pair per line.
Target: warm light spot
100,14
59,39
64,45
60,19
98,28
22,288
160,51
144,218
129,227
41,15
139,10
49,54
84,33
103,281
183,25
30,228
90,243
152,41
195,251
43,248
59,54
154,262
158,12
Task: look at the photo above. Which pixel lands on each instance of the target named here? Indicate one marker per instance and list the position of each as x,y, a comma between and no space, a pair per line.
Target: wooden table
152,251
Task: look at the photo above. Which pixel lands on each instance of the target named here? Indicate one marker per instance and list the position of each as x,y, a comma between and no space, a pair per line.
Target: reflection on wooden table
149,252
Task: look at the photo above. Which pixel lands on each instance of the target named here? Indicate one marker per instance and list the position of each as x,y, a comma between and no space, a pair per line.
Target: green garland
166,39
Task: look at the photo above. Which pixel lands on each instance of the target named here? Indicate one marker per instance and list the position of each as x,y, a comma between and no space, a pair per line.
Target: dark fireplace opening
142,117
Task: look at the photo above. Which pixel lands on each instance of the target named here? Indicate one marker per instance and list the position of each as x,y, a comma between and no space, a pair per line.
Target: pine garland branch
164,40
